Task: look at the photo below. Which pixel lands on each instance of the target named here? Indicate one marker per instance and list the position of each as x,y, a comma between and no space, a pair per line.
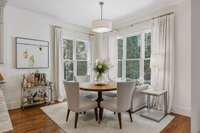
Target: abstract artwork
32,53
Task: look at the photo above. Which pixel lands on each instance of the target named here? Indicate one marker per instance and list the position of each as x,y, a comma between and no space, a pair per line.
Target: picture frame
32,53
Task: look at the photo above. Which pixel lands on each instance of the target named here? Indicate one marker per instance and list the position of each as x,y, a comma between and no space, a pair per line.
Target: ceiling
82,12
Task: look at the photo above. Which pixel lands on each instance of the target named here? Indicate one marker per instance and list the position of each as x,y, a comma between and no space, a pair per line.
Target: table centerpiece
101,68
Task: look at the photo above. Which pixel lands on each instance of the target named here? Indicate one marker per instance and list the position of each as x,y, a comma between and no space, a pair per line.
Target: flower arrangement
100,68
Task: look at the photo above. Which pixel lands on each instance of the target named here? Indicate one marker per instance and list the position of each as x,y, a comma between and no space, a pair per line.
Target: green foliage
81,68
147,45
120,48
68,70
133,47
81,52
68,49
132,69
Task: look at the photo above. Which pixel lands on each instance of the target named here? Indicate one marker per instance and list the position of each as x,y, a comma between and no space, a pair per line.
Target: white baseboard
13,105
182,111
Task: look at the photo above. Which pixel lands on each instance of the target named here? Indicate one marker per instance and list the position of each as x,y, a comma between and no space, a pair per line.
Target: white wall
23,23
182,90
182,94
195,37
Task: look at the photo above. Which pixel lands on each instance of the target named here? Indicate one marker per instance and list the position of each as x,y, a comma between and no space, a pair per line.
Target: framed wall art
32,53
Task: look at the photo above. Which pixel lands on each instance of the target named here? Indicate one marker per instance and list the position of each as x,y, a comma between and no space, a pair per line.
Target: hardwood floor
33,120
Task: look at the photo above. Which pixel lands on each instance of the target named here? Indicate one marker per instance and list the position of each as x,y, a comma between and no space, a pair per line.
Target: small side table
151,113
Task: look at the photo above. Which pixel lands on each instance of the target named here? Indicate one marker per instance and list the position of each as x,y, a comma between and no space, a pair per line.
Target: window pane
120,48
68,49
133,47
147,45
119,69
132,69
81,51
147,71
68,70
81,68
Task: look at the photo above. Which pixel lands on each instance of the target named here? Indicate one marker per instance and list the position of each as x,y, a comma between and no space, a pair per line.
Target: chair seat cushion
110,104
86,104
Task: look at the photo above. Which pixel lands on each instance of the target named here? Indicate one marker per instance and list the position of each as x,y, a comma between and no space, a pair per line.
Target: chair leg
100,114
120,120
68,111
96,114
76,120
130,115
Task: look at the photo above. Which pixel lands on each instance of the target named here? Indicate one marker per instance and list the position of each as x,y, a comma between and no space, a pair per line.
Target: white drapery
113,55
58,64
162,56
92,57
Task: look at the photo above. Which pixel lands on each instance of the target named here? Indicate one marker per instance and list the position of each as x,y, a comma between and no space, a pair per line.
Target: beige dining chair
120,104
76,103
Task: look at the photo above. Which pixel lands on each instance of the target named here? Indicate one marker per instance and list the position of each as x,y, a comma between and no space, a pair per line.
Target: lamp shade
1,77
102,26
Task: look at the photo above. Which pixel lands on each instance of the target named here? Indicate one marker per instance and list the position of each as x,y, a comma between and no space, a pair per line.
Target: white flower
99,66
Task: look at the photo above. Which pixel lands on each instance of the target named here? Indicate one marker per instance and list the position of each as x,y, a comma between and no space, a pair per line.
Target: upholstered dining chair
120,104
76,103
89,95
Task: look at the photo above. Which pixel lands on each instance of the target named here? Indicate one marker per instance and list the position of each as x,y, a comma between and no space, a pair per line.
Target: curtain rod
139,22
166,14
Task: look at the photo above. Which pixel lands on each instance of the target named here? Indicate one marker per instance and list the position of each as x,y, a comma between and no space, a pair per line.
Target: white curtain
58,64
113,55
162,56
92,56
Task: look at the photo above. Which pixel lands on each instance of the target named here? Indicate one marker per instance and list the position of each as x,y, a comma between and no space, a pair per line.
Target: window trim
74,59
142,53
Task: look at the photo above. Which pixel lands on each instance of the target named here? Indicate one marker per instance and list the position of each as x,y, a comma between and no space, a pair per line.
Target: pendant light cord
101,4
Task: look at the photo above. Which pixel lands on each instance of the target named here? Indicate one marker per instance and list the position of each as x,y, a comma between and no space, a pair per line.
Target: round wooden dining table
99,89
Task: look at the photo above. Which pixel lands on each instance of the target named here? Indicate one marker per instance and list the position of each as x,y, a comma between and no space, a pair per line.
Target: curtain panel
113,56
58,64
162,56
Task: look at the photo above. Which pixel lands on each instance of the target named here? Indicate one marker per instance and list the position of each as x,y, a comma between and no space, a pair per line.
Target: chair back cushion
72,91
125,92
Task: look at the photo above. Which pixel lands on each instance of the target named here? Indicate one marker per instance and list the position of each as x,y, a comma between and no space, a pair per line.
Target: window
76,59
134,57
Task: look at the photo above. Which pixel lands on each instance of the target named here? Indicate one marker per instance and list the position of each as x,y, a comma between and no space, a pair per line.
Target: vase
100,78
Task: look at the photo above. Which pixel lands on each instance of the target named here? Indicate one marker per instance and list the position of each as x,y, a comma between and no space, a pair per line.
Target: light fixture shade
102,26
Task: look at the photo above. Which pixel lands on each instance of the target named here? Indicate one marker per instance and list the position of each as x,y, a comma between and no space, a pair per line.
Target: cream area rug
87,123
